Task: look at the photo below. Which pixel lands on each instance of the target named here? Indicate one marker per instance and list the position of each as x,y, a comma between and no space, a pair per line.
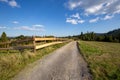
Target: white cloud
15,22
12,3
30,28
76,16
72,21
38,25
95,7
3,27
72,4
108,17
75,19
4,0
94,20
117,10
81,21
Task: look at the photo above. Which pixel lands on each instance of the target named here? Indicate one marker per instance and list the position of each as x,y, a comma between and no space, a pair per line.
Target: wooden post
44,40
57,39
8,47
34,44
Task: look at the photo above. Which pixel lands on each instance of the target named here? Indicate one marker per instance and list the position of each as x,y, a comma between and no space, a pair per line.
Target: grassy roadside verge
103,59
12,63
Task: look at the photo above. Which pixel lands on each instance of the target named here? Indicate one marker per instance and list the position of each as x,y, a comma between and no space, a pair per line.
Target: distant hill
111,36
114,33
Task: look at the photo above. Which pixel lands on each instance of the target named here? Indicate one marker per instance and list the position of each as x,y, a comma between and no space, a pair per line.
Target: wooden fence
30,43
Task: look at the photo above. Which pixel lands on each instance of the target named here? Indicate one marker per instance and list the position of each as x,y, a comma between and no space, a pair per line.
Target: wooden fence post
34,44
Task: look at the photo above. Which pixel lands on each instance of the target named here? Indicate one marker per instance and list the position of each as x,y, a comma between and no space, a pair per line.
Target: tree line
91,36
4,40
111,36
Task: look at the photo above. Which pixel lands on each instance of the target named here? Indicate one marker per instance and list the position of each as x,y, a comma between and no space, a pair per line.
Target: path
65,63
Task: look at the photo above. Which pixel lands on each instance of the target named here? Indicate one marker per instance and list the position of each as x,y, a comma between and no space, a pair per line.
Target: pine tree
4,37
81,35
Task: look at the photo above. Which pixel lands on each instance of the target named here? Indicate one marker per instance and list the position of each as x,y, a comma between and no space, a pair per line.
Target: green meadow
103,59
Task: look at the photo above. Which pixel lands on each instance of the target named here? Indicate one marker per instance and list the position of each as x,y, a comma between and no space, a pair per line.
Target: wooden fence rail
30,43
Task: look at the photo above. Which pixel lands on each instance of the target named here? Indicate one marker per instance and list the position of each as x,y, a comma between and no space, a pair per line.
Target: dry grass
12,63
103,59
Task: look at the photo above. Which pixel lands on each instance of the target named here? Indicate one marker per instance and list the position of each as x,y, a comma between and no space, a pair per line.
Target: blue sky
58,17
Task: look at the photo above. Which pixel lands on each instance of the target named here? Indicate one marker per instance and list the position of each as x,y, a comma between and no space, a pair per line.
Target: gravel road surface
65,63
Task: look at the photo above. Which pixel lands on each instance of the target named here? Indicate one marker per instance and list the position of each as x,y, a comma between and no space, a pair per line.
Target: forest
111,36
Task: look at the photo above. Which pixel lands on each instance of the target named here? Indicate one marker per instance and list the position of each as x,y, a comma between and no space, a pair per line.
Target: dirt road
65,63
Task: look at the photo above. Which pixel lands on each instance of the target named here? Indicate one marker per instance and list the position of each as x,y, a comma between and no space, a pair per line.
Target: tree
110,38
116,40
81,35
20,37
93,36
100,38
4,37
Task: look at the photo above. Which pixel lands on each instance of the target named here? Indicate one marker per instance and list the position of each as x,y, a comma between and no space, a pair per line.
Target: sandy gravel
65,63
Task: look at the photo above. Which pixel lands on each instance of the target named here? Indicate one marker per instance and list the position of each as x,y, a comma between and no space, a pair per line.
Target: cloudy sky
58,17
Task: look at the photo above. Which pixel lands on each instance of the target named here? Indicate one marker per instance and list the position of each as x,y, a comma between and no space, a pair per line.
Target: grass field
13,62
103,59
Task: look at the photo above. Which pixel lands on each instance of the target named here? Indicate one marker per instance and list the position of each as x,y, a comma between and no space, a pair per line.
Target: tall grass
13,62
103,59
